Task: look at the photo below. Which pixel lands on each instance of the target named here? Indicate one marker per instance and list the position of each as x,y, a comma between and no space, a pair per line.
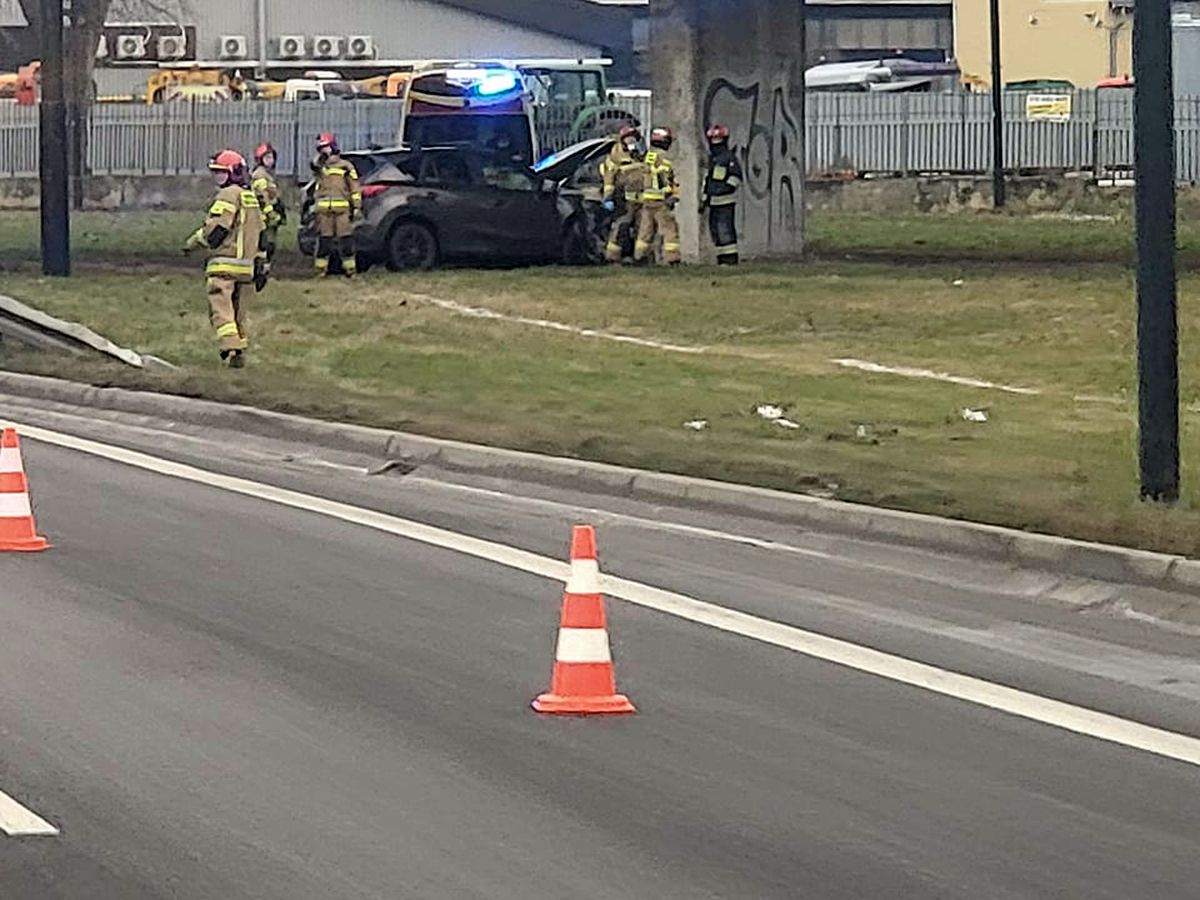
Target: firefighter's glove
194,241
260,280
610,206
672,202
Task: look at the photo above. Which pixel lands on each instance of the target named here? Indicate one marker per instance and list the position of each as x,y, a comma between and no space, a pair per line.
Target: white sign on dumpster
1048,107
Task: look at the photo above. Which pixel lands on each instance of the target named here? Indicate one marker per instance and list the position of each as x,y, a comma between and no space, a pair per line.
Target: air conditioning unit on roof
327,46
131,46
292,46
360,46
172,46
233,46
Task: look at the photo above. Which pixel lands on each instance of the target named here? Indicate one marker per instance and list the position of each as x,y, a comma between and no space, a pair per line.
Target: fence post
192,138
296,140
906,134
165,145
837,131
964,132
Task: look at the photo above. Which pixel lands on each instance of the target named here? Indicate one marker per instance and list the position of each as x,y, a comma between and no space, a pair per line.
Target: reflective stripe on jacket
267,190
723,178
622,170
237,211
659,177
337,185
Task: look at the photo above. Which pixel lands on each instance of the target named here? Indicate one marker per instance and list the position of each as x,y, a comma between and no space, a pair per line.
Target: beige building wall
1076,40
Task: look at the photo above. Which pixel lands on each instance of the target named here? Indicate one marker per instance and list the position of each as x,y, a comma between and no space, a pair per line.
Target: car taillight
374,190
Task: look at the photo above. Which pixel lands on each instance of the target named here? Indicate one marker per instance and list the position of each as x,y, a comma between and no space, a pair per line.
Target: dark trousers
722,226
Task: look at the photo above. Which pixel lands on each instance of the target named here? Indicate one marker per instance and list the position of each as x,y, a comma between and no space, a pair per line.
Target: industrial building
850,30
349,36
1080,41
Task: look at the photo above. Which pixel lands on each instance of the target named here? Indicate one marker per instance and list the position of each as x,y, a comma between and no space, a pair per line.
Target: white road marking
910,372
17,821
1024,704
482,312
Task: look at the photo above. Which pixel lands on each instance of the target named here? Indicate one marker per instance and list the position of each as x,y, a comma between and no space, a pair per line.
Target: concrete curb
1063,556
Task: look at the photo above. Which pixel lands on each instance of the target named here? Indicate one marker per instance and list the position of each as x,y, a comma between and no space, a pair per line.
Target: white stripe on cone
15,506
585,577
583,645
10,460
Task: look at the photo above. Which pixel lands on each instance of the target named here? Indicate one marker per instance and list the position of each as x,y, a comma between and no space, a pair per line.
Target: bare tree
87,18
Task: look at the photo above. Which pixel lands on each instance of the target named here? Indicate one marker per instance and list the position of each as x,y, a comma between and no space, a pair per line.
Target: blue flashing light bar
496,83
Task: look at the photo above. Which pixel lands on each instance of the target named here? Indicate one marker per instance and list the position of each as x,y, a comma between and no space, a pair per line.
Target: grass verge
984,236
378,351
123,240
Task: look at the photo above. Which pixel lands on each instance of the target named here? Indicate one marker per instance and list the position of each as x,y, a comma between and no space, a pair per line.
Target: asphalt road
213,696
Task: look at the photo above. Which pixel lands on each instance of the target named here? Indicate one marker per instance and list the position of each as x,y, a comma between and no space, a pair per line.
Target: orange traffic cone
17,531
584,682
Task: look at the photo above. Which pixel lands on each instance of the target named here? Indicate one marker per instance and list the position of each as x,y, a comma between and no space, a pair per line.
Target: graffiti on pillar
765,132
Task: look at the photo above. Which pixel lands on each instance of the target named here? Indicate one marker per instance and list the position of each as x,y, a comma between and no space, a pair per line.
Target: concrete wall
736,62
1067,39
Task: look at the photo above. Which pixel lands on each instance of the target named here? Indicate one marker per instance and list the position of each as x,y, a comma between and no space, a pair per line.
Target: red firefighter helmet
717,134
662,138
327,139
232,162
628,131
261,151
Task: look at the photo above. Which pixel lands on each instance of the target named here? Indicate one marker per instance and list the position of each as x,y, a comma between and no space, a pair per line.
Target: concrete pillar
738,63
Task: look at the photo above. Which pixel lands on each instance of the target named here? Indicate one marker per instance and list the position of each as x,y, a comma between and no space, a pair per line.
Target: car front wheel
412,246
578,246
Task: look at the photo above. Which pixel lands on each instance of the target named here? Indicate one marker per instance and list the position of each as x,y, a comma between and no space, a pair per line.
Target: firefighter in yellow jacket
659,198
266,188
624,173
231,237
338,205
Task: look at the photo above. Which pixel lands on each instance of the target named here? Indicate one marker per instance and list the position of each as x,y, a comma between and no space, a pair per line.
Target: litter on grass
775,414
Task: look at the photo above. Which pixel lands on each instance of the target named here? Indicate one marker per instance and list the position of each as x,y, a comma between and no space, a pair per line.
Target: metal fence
951,133
898,134
179,138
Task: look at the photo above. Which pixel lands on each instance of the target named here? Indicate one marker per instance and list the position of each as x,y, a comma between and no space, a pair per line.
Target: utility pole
55,201
1157,328
998,197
